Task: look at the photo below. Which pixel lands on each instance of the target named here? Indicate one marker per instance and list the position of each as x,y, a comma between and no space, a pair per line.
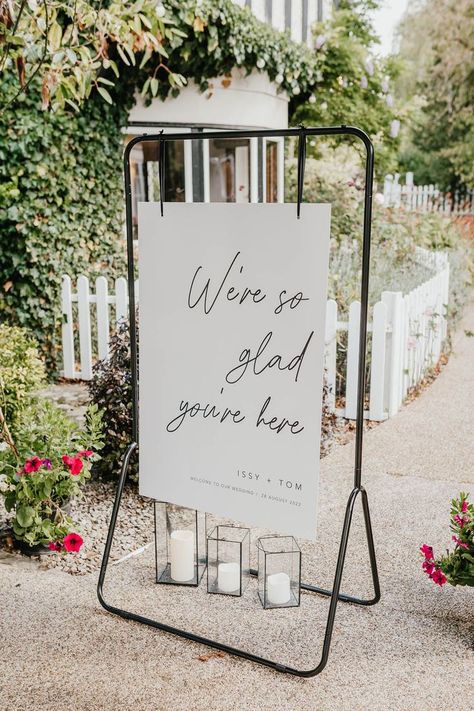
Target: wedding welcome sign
232,325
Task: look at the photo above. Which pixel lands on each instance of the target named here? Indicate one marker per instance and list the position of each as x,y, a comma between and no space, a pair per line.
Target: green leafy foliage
437,83
157,49
458,564
37,483
111,392
353,85
69,45
60,208
336,177
60,171
21,372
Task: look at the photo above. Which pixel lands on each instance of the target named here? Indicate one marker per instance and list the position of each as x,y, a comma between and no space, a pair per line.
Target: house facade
243,170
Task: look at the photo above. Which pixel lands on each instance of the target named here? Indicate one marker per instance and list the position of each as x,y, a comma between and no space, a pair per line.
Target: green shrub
46,467
336,177
21,372
111,391
61,208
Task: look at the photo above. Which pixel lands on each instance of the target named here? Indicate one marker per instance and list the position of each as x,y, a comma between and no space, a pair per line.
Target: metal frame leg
334,594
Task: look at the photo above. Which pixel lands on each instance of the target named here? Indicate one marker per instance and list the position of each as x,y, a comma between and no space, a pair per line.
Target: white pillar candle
228,577
182,556
278,589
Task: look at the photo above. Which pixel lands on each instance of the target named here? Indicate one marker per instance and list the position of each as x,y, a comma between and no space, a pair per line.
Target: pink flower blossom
74,464
55,546
460,543
85,453
73,542
459,520
438,577
47,464
428,567
32,465
427,551
464,506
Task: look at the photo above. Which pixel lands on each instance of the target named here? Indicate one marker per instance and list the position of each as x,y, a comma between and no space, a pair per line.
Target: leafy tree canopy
76,47
437,46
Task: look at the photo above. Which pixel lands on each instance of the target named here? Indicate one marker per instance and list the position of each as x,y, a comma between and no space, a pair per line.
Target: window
144,166
271,171
229,170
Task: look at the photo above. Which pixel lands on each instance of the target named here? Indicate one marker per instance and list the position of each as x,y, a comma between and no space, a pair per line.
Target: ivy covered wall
61,201
60,207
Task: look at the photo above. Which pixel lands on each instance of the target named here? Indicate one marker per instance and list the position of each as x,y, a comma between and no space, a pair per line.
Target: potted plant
457,566
43,470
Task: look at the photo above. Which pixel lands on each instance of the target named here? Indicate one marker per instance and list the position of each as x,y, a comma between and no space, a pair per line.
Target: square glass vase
228,560
279,571
180,544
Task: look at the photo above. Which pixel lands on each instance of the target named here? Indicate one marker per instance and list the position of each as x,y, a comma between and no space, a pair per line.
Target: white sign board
232,319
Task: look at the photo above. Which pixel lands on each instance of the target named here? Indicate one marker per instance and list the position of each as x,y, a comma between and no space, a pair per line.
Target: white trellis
406,331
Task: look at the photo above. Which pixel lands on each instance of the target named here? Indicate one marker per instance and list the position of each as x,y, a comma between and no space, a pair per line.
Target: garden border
334,594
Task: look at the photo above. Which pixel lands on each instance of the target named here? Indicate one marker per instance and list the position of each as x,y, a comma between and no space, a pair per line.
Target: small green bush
336,178
111,391
21,372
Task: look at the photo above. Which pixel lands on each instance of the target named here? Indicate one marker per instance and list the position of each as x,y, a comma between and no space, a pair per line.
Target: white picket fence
406,332
81,323
426,198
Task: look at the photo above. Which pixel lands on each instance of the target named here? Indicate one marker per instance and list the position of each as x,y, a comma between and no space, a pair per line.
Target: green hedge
61,200
61,208
21,374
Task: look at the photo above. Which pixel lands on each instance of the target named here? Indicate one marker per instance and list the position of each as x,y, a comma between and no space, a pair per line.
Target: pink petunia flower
85,453
55,546
438,577
73,542
74,464
427,551
32,465
460,543
428,567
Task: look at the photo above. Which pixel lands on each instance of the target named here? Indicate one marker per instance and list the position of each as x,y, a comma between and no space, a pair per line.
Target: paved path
414,650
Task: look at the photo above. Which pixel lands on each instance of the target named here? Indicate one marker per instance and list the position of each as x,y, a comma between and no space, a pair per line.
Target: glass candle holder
228,560
180,544
279,571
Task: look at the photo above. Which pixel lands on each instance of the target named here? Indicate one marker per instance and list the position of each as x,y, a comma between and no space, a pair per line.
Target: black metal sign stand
358,490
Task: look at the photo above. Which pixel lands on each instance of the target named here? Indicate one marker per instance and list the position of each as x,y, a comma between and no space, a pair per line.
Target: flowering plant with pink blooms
457,566
43,470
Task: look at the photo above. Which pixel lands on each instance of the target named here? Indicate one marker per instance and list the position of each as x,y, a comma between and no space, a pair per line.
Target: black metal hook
301,167
161,170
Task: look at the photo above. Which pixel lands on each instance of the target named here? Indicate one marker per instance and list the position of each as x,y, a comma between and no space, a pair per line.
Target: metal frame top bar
257,133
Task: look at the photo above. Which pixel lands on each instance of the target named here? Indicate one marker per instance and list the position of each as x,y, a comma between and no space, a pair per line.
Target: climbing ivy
60,208
60,170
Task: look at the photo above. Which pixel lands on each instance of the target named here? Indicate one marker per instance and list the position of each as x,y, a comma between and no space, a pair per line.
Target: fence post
387,190
85,344
121,299
102,317
67,335
352,365
394,304
377,368
330,352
